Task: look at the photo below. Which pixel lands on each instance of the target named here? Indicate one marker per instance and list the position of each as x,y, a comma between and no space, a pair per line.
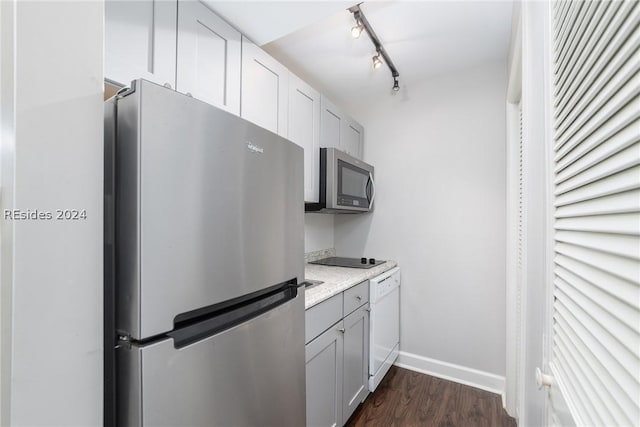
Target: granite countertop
337,279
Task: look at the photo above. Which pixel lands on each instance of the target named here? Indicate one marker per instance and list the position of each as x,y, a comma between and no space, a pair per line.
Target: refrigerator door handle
227,317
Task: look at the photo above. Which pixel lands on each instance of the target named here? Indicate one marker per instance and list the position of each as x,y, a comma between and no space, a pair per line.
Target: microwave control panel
344,201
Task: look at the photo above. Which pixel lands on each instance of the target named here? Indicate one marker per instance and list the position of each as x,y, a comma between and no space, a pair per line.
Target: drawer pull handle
342,330
358,297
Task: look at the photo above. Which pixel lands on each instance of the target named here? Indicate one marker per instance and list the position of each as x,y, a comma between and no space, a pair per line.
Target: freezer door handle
225,317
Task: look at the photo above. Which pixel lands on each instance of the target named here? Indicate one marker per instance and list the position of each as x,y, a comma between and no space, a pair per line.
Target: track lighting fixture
377,62
363,25
357,29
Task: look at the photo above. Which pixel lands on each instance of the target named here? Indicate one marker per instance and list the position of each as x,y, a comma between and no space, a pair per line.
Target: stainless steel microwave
346,184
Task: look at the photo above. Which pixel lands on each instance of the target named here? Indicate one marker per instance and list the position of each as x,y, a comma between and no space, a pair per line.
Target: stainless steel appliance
206,260
384,324
346,184
348,262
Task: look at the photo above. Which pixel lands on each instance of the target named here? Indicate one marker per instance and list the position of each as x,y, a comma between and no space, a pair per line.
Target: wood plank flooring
407,398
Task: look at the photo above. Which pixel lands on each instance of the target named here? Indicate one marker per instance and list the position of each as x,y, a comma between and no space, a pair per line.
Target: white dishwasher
384,324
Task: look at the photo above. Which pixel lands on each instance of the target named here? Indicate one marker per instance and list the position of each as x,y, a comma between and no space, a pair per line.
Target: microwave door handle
373,190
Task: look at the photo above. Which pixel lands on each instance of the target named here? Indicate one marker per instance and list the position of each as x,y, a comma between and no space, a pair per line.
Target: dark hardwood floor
407,398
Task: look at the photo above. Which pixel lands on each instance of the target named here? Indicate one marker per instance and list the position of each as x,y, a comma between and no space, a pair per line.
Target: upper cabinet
265,89
304,130
185,44
352,137
140,41
340,131
209,57
331,118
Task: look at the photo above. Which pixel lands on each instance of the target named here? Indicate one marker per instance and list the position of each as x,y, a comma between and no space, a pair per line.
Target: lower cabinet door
324,378
356,360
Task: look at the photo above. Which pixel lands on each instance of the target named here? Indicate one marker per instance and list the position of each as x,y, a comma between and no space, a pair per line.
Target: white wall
439,152
318,232
52,159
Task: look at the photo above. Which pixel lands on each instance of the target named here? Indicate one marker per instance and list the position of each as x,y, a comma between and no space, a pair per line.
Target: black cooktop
349,262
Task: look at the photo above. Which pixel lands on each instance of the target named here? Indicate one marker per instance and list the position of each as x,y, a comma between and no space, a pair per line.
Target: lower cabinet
355,360
324,378
337,359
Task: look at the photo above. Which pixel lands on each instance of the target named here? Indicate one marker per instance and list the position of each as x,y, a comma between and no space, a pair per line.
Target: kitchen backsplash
316,255
318,232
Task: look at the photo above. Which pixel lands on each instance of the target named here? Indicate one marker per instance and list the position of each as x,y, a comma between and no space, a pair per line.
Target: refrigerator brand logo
254,148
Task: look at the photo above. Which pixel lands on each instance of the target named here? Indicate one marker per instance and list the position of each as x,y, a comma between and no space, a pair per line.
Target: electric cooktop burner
349,262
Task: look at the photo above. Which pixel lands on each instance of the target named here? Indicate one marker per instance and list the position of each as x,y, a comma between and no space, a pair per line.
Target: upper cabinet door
331,118
140,41
338,130
265,93
304,130
352,137
209,55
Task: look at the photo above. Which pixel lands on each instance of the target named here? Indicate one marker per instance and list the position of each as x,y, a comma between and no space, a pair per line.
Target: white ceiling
423,39
265,20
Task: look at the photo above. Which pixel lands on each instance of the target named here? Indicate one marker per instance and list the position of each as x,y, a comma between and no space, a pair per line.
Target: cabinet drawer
320,317
356,296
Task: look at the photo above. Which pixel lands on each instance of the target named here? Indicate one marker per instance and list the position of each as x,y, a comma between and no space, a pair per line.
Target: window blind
595,354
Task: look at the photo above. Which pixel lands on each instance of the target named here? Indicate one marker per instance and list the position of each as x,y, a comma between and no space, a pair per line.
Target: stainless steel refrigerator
204,314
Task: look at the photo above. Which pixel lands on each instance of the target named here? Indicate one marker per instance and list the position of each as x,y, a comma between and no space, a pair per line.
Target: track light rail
380,50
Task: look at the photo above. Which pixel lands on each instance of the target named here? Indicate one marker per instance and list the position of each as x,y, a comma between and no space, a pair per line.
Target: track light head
377,62
356,30
381,55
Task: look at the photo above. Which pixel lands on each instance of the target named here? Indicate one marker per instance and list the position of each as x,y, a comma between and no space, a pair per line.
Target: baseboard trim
449,371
